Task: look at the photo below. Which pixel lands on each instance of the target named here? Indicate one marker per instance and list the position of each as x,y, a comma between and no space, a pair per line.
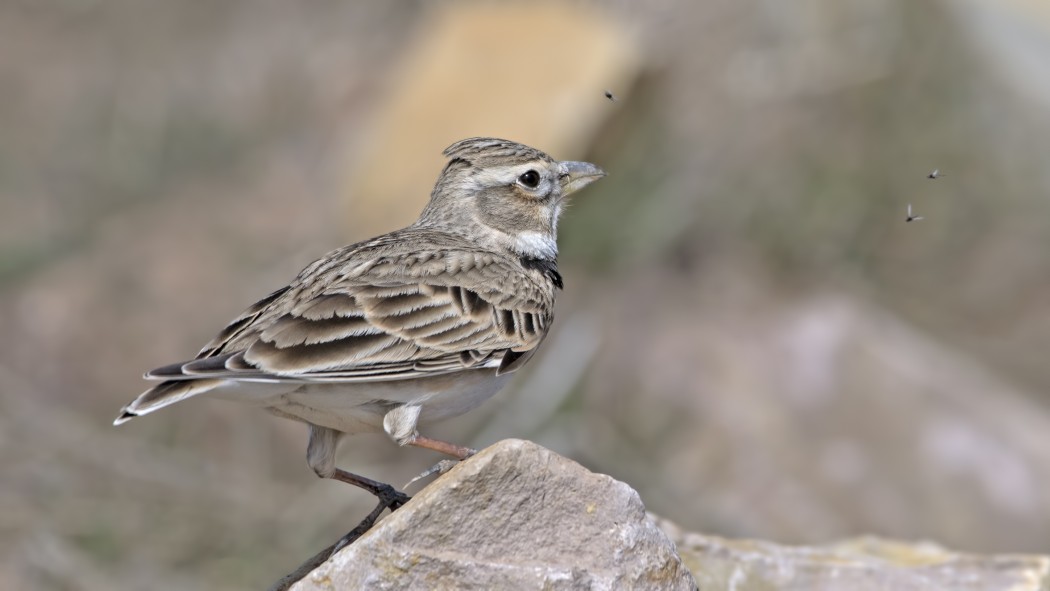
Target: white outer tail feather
164,394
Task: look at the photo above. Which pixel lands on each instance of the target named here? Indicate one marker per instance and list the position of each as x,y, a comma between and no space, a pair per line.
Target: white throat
535,245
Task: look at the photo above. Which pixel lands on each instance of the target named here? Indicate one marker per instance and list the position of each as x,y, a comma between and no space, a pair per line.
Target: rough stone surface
861,564
515,516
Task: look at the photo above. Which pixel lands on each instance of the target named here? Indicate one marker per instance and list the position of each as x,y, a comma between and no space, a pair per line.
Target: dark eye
530,179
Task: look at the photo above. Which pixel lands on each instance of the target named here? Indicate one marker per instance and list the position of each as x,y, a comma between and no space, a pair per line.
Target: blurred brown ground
750,335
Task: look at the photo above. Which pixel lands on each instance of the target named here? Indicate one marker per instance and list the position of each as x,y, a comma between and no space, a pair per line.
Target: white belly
359,407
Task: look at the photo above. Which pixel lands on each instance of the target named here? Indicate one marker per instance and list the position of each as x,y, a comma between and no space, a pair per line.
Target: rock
515,516
861,564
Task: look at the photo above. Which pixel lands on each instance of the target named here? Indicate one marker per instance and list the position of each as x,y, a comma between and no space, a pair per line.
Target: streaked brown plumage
411,327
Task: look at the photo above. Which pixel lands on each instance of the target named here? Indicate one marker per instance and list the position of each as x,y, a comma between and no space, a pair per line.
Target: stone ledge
518,516
860,564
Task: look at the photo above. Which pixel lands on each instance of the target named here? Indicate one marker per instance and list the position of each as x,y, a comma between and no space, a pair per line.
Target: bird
408,328
912,218
935,173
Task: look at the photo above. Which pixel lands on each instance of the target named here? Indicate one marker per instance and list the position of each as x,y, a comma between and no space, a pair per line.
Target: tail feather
164,394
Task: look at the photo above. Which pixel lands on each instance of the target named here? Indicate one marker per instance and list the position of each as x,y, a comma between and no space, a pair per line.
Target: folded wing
366,319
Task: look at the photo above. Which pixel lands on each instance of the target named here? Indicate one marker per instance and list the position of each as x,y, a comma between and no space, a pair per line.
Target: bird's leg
400,425
387,495
449,449
457,451
320,454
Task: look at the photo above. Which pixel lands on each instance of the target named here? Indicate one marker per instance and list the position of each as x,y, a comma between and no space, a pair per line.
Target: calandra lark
405,329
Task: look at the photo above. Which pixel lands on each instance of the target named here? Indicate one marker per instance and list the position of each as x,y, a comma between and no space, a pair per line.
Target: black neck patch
549,269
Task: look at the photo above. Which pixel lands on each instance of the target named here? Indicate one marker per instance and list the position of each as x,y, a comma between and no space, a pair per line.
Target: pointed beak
577,175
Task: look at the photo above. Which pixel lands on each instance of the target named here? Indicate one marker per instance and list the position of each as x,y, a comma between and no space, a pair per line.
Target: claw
439,468
392,498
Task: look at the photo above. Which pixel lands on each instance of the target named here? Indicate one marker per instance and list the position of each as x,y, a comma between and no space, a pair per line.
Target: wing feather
397,316
301,359
289,331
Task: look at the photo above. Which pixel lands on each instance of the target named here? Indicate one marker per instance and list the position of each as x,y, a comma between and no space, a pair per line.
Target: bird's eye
530,179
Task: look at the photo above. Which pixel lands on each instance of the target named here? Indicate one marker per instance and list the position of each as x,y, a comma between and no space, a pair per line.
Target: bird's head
505,193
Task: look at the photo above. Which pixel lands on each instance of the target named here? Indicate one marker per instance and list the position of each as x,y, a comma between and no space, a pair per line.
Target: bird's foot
439,468
392,498
388,496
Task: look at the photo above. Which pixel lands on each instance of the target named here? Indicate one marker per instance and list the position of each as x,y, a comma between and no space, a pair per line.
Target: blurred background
751,335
